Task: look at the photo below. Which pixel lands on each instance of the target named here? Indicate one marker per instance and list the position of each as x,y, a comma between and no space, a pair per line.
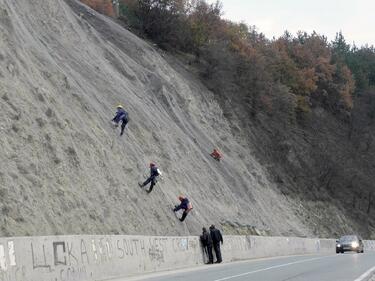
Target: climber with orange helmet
184,205
154,173
121,116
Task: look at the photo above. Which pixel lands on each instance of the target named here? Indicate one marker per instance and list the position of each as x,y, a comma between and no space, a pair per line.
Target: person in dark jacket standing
154,173
206,242
216,239
121,116
184,205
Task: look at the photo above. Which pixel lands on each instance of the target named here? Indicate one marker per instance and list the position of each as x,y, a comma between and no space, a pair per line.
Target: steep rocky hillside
65,170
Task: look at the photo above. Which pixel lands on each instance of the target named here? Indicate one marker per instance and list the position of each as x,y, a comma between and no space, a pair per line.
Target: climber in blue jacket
121,116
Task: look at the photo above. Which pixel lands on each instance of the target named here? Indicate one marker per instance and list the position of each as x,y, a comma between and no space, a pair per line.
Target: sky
354,18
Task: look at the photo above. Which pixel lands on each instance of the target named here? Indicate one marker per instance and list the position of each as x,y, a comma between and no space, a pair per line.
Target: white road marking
366,274
199,268
271,267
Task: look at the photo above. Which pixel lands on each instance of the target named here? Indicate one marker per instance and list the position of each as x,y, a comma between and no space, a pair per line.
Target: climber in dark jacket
154,173
185,205
121,116
206,242
216,239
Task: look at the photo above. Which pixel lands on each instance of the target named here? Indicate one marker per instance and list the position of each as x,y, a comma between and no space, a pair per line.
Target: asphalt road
341,267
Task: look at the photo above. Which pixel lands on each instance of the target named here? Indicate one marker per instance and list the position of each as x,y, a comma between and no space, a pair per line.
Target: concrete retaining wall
248,247
369,245
81,258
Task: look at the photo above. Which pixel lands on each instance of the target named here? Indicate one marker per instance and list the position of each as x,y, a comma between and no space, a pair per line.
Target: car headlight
355,244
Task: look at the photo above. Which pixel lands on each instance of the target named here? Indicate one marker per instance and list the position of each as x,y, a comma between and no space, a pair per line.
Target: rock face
65,170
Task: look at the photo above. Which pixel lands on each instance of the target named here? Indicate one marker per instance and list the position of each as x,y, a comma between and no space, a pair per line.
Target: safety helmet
119,106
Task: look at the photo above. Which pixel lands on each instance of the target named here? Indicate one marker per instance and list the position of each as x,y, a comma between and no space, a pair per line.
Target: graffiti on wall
84,259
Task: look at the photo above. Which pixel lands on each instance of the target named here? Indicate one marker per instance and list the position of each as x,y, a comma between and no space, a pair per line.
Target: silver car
349,243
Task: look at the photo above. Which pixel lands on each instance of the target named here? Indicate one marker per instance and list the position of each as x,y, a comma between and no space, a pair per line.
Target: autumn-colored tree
204,21
163,21
235,58
102,6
